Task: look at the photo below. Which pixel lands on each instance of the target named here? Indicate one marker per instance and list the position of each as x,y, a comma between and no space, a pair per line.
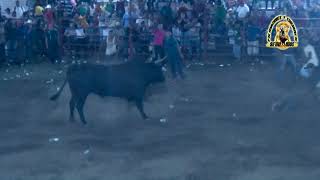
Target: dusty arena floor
218,124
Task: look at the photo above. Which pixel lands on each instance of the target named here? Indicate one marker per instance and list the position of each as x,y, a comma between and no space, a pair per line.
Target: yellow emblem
285,35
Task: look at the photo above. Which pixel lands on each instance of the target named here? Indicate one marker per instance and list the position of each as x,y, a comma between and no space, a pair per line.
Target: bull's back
116,80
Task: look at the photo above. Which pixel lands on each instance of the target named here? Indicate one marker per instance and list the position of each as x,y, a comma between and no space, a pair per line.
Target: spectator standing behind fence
159,36
19,9
166,16
10,33
52,45
2,41
38,11
83,22
235,38
66,7
194,39
252,35
272,3
20,48
83,9
49,16
110,8
111,44
28,41
120,8
39,38
150,6
242,10
219,18
174,55
126,20
144,34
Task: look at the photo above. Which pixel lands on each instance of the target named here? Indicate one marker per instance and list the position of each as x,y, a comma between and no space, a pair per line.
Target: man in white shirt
242,10
19,10
310,52
310,68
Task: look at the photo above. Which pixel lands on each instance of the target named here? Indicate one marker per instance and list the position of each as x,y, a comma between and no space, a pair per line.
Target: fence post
130,30
206,32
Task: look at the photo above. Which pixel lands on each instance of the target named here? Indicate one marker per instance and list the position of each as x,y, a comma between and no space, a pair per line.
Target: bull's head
152,71
156,74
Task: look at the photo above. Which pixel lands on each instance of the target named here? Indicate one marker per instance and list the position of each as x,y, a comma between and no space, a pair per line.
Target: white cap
48,6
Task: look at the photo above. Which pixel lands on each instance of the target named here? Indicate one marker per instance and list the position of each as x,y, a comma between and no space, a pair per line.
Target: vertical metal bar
130,30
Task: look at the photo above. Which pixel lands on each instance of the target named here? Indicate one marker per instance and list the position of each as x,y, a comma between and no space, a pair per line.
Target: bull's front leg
80,104
139,104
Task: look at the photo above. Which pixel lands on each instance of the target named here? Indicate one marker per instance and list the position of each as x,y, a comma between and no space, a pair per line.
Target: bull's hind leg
72,105
139,104
80,105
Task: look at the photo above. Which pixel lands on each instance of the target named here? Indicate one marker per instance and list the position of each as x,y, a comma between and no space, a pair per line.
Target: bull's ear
160,60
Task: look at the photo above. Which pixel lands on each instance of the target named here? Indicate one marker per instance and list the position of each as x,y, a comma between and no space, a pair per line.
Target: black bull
128,81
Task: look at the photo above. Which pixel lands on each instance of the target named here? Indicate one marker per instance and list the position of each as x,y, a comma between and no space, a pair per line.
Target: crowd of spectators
55,28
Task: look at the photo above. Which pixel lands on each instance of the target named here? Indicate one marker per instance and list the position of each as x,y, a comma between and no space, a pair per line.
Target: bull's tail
56,96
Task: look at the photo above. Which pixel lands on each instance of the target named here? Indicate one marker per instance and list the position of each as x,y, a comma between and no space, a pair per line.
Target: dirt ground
218,124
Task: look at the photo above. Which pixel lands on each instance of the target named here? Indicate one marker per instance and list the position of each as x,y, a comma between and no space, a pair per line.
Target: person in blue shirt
174,55
253,32
52,45
28,41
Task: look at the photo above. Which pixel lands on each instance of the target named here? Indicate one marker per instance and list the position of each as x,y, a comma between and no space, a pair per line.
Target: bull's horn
160,60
